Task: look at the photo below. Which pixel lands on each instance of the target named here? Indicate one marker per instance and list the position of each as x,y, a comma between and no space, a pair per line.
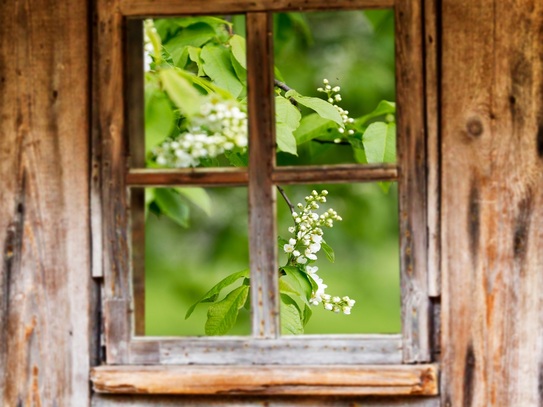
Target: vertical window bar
264,279
412,181
136,135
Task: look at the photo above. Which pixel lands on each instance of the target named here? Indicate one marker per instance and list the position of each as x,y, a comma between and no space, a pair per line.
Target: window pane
193,239
195,92
333,70
363,243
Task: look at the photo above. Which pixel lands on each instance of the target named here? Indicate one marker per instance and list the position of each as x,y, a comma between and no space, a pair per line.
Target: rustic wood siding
492,201
45,290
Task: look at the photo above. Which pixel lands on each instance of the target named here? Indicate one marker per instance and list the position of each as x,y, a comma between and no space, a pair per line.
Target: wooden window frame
333,364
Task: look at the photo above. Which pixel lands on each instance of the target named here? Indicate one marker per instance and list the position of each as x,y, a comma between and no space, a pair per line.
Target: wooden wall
492,202
491,119
44,203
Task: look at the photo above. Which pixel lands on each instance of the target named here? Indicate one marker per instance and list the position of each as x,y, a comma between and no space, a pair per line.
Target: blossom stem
285,197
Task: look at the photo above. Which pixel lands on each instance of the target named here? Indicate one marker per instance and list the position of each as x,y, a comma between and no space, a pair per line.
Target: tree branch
285,197
286,88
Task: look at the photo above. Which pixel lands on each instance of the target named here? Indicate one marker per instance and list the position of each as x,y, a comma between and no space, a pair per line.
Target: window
135,363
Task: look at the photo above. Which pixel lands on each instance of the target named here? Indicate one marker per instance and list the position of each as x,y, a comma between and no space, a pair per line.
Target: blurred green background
354,50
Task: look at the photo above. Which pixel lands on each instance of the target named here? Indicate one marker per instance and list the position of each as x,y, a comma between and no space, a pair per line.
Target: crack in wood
469,376
474,221
522,229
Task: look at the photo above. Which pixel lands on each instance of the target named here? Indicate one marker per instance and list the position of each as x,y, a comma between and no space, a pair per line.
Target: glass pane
335,87
193,238
195,92
339,255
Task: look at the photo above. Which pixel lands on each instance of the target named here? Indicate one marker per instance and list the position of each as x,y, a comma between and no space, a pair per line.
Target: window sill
268,380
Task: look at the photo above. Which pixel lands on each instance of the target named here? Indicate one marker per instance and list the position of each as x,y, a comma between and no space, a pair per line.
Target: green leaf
328,251
307,314
287,113
322,107
198,196
241,72
180,91
222,315
379,141
300,281
237,159
237,43
313,126
194,35
285,138
383,108
159,117
213,22
291,316
286,288
172,205
218,67
194,55
213,293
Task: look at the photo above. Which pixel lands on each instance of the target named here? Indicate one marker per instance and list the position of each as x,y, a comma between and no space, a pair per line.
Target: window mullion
264,279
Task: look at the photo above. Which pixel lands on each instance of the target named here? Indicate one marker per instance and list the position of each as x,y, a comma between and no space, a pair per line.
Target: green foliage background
352,49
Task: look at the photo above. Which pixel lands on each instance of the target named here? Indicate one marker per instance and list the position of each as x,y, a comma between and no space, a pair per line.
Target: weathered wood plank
412,180
200,176
325,350
45,284
104,400
261,103
136,131
334,173
145,8
110,117
267,380
492,202
431,44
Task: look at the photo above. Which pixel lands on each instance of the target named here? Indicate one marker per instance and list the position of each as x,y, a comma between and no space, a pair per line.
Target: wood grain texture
104,400
334,173
109,77
261,106
319,350
492,202
431,48
200,176
136,137
45,284
143,8
267,380
412,180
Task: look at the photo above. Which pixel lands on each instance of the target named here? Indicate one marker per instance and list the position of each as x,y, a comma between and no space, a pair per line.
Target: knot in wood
475,127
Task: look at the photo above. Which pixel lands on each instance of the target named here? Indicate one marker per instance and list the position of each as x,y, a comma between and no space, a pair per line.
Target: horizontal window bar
264,380
156,8
301,350
200,176
335,173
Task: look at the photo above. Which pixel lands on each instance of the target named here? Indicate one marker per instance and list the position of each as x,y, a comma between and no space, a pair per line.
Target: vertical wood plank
412,179
135,117
109,78
45,284
263,260
431,43
492,202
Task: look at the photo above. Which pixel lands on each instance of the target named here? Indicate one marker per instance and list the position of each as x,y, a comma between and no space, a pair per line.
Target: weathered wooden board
102,400
267,380
316,350
412,180
261,106
492,202
45,284
143,8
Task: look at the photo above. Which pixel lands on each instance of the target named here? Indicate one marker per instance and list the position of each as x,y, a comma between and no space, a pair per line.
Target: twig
285,197
286,88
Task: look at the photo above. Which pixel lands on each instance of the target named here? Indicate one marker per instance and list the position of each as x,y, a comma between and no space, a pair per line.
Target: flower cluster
302,249
333,96
219,126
